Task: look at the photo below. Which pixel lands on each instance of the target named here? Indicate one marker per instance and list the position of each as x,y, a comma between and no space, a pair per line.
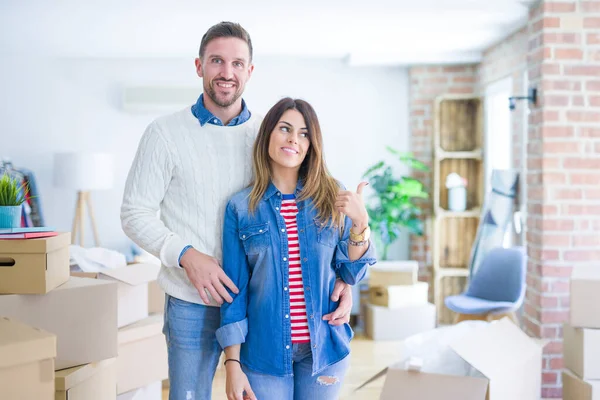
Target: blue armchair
498,287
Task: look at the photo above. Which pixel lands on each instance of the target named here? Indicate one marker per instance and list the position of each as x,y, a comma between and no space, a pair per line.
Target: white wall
49,105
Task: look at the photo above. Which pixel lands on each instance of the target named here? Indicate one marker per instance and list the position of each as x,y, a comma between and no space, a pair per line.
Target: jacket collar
272,190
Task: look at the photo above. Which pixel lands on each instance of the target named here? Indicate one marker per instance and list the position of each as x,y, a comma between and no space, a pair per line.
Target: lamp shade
83,171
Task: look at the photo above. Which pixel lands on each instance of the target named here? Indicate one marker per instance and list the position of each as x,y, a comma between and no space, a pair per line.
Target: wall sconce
532,97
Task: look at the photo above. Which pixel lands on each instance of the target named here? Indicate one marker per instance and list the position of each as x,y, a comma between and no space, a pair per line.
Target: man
187,166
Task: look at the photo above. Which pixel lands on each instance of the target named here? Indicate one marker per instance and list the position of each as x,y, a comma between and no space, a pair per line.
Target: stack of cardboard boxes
398,304
581,346
72,337
142,361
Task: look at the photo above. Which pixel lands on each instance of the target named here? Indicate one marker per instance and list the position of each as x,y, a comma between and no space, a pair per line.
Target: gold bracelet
360,244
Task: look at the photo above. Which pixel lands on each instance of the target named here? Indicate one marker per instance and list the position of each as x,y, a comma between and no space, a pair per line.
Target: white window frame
498,121
496,99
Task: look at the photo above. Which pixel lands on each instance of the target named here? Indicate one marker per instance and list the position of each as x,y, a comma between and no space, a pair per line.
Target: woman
286,239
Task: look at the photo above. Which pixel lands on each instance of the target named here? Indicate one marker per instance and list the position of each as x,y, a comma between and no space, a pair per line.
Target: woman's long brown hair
319,185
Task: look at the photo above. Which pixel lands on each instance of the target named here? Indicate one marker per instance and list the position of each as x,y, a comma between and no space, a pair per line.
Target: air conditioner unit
152,99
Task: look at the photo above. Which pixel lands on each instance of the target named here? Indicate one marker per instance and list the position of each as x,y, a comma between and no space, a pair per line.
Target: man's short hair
223,30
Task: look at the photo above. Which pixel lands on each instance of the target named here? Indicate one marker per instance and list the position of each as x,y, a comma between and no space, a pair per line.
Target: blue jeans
326,385
193,348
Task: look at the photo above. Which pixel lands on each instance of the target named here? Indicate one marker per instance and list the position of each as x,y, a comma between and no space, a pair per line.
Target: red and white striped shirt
299,321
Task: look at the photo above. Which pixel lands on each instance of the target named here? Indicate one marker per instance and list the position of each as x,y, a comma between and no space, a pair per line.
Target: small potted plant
12,196
394,204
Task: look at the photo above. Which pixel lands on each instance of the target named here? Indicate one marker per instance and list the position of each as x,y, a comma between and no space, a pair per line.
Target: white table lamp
83,172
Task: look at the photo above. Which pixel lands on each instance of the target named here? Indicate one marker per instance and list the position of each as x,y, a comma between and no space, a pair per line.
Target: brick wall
560,50
564,166
427,83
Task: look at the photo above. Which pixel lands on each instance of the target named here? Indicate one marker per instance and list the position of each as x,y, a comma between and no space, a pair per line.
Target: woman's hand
353,206
237,383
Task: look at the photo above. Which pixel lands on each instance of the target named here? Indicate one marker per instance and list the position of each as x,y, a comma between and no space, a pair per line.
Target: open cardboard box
509,361
133,280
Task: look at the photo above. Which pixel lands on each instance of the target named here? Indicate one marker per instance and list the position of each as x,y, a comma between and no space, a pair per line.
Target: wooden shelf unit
458,147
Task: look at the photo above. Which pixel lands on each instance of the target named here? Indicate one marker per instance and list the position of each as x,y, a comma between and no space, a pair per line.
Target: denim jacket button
282,230
287,347
312,316
243,236
305,259
287,316
314,346
284,258
307,288
285,288
301,230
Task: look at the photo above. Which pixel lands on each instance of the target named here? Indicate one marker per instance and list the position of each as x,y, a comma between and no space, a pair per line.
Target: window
498,138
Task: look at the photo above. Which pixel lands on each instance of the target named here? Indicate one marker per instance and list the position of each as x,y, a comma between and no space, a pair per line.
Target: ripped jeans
193,348
325,385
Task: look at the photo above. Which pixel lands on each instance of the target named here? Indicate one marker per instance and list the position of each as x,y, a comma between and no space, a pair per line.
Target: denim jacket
255,251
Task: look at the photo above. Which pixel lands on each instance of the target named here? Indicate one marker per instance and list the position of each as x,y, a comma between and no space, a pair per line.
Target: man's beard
211,92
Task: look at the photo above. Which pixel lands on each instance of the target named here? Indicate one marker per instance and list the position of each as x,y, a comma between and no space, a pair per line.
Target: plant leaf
373,168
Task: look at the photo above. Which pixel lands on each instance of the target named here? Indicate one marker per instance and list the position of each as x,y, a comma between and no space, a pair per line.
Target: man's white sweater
187,172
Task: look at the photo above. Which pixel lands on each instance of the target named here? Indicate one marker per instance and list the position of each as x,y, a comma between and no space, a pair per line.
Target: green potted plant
12,196
393,206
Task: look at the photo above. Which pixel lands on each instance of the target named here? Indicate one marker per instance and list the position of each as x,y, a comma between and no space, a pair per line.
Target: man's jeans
325,385
193,348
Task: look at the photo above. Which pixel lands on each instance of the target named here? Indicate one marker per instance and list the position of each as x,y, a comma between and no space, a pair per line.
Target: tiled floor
368,358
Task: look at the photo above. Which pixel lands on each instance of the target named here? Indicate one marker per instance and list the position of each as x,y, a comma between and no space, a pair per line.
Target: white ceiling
384,32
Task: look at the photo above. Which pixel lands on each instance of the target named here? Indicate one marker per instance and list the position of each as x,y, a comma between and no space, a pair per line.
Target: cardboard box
150,392
156,298
399,296
575,388
34,266
132,304
96,381
26,362
82,314
585,295
142,354
383,323
392,273
509,361
582,351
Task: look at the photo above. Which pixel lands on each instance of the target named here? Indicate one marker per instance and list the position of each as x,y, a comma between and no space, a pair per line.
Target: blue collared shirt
255,257
205,116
